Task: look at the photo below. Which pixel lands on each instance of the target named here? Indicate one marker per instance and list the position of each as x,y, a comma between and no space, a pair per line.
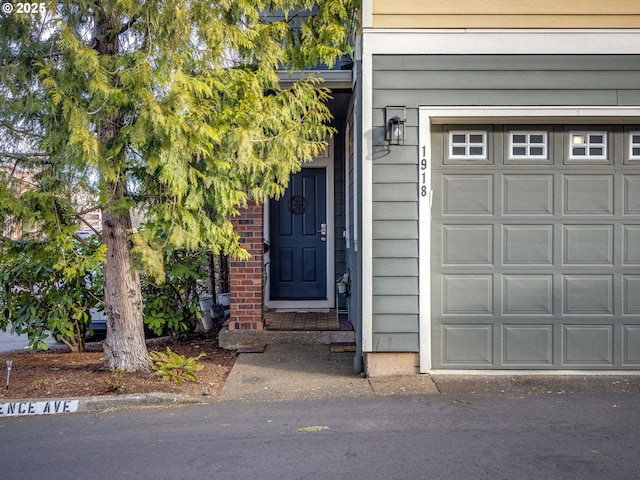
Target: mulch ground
58,372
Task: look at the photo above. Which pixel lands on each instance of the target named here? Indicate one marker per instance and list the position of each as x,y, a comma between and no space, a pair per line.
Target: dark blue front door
299,238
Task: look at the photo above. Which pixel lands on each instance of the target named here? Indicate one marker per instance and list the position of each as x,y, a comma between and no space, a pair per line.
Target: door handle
323,229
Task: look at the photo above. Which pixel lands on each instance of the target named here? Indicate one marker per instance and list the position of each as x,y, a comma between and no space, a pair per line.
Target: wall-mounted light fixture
396,118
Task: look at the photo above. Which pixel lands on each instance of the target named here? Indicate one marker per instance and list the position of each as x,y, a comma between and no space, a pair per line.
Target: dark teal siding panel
396,323
395,174
393,285
395,342
394,229
395,211
583,63
395,267
629,97
484,97
396,248
518,80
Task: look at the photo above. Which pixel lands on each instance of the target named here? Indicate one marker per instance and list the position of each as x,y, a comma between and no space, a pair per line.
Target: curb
52,406
106,402
394,385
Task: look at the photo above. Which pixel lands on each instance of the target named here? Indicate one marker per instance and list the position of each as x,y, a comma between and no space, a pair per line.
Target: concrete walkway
291,372
294,372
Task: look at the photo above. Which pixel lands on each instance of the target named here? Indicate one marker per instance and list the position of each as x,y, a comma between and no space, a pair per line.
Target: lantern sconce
396,118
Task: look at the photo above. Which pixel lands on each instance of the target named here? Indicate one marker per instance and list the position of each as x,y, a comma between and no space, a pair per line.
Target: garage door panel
467,345
528,244
631,194
467,244
631,244
631,294
527,295
527,345
588,195
467,194
467,295
588,244
588,345
587,294
631,345
528,194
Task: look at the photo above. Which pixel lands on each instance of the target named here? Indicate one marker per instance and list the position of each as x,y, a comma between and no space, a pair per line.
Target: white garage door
535,247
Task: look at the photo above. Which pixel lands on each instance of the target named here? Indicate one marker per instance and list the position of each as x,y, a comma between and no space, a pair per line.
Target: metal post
9,363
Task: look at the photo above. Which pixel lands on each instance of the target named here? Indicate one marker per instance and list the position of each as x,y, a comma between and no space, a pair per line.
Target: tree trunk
124,346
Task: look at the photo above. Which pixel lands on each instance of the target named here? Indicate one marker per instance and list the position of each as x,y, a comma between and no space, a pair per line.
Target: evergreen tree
171,108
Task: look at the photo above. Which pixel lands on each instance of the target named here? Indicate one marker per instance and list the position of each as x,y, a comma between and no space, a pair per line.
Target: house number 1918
424,191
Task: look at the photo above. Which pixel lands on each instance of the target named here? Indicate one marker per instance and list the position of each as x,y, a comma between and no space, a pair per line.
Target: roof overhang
333,79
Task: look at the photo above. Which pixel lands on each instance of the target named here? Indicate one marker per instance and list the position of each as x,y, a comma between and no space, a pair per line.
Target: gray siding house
502,232
483,188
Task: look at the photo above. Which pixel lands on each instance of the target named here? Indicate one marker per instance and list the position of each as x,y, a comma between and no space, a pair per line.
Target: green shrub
49,286
172,306
174,367
116,381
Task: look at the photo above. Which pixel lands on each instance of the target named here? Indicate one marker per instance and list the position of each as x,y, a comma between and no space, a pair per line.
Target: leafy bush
173,305
175,367
49,286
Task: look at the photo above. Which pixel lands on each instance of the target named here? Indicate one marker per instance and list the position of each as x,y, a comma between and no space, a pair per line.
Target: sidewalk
292,372
297,372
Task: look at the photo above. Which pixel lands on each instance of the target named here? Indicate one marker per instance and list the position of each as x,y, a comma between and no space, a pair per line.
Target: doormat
302,310
252,348
343,347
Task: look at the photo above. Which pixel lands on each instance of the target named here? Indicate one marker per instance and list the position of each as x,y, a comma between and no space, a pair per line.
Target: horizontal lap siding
339,206
412,81
395,240
506,14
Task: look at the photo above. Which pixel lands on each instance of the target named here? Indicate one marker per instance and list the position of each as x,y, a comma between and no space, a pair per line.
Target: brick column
246,277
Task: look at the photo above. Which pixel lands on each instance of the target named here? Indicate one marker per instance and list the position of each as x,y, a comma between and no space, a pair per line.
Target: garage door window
527,145
468,145
634,146
588,145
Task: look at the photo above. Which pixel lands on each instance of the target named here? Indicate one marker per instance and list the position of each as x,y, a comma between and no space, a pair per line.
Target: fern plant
175,367
116,381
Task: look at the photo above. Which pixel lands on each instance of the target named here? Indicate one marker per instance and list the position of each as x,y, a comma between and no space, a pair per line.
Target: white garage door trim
483,115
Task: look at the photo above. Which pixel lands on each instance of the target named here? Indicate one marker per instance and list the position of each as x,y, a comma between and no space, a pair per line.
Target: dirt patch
59,373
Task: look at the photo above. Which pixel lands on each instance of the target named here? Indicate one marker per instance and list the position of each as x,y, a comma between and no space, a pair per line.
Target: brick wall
246,277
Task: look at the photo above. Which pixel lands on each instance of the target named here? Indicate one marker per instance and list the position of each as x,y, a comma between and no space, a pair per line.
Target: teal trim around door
298,238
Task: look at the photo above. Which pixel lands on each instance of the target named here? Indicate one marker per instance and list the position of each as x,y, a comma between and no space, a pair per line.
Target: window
634,145
588,145
528,145
468,145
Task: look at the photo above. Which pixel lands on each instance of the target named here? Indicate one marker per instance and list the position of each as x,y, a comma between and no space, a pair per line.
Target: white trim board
501,42
367,13
485,115
366,180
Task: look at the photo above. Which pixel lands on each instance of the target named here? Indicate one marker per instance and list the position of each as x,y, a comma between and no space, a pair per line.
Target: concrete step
235,339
